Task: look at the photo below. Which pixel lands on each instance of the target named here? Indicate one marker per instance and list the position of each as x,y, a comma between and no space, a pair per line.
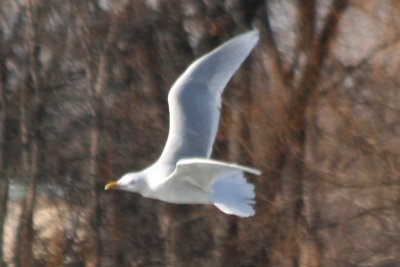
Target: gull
184,173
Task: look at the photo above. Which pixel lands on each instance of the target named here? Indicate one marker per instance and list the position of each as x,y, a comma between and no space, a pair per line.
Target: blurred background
84,87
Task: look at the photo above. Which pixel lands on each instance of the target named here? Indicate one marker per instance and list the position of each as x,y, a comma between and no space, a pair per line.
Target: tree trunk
93,214
26,242
4,179
30,138
96,76
22,247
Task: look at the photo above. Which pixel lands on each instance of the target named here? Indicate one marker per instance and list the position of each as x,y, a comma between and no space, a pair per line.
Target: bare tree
4,179
289,145
95,72
30,126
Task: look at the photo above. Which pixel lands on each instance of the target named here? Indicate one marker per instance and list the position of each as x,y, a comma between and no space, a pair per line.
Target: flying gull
184,173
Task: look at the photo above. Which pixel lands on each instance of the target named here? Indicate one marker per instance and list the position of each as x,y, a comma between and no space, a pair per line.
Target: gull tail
232,194
224,183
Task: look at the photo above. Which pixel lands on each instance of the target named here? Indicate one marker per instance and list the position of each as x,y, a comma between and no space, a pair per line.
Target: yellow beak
110,185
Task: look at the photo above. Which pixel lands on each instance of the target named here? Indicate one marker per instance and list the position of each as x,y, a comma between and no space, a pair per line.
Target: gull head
132,182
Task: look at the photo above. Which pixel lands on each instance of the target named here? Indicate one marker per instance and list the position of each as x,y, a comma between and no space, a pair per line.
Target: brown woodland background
84,87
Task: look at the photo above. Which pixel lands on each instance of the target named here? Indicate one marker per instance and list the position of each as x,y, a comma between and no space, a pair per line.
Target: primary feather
195,99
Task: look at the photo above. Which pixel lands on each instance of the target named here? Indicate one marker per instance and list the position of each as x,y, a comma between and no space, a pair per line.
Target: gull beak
111,185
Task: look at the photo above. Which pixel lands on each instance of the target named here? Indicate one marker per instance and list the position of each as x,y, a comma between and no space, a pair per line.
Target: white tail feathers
232,194
229,191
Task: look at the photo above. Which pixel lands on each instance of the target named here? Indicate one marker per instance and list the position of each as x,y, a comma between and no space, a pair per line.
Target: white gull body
184,173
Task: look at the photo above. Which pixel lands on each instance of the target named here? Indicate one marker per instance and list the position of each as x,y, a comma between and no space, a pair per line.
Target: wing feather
195,99
203,173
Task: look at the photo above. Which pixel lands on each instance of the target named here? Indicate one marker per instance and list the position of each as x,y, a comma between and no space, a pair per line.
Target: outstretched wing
202,173
195,99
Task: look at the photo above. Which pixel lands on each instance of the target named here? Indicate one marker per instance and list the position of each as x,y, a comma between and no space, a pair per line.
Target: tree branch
320,50
274,64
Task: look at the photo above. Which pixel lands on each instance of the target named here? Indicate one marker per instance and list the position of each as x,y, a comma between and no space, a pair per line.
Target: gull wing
195,99
202,173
